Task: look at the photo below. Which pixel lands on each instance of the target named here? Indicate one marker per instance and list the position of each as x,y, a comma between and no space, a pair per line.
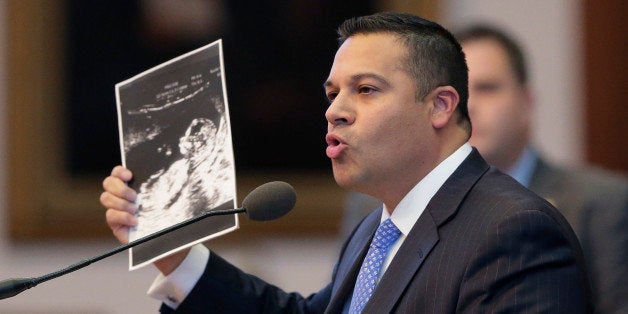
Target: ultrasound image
176,139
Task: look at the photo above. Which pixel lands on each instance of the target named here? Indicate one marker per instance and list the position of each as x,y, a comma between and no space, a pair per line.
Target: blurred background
60,60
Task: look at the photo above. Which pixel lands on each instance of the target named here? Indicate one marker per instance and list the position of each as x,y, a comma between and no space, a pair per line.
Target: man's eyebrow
370,75
360,76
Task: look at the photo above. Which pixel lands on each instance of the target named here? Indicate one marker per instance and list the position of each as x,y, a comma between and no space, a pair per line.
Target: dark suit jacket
483,244
595,203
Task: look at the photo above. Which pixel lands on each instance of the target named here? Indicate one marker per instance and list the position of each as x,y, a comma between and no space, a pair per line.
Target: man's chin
343,177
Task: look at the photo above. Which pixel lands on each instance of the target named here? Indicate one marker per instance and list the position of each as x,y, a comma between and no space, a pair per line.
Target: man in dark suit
594,201
458,235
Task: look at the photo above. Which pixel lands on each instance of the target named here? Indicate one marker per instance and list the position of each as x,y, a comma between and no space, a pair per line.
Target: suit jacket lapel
424,235
409,258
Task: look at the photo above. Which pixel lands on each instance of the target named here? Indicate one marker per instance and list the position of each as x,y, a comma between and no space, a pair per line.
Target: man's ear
445,100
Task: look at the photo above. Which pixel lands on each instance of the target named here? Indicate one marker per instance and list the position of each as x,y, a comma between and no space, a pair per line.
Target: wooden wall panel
606,84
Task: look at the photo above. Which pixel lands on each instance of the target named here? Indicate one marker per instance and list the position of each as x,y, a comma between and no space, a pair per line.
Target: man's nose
339,112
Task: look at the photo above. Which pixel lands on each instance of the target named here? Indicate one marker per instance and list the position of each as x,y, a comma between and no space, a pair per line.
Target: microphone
266,202
269,201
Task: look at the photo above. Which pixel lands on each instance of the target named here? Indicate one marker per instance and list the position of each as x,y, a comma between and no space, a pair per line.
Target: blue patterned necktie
386,234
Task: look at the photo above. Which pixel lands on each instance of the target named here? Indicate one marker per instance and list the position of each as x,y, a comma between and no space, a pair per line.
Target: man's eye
331,96
486,88
366,90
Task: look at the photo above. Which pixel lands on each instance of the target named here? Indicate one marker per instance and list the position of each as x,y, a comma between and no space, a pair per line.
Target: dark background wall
276,59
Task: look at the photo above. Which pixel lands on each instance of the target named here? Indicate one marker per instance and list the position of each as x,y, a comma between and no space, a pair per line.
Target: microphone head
270,201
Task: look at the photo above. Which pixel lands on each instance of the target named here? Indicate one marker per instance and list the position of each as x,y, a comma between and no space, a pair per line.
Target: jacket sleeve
224,288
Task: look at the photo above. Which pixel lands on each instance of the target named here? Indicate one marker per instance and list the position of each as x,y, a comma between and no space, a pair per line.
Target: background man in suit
467,238
595,202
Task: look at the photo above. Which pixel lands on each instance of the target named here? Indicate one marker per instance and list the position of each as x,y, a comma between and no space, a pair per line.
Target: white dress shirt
408,211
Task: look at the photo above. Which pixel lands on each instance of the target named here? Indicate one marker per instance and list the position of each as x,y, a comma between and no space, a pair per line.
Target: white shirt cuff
174,288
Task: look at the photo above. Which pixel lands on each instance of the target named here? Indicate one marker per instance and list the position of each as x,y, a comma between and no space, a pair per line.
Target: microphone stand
11,287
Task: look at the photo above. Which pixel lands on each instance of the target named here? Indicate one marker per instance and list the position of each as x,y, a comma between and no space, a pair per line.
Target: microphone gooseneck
266,202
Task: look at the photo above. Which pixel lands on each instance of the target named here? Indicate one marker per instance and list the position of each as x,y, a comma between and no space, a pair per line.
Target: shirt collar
524,167
413,204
